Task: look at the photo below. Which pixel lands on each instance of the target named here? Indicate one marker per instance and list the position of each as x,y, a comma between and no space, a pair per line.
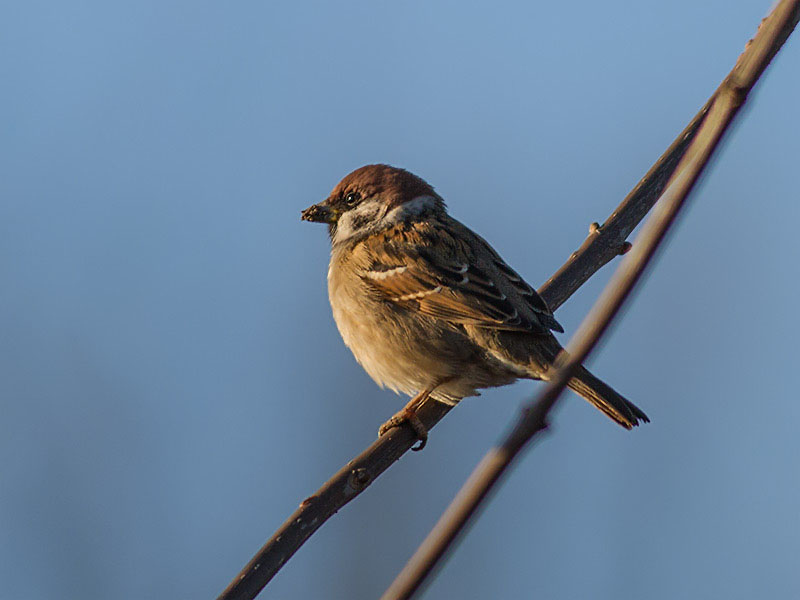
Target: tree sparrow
428,307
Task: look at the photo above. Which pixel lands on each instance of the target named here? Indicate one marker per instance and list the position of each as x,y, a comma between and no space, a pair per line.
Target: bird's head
374,198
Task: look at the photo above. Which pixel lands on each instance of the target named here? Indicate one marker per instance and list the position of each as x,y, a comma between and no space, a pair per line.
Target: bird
428,308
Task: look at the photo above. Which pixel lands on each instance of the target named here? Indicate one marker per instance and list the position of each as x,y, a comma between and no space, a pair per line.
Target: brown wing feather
448,284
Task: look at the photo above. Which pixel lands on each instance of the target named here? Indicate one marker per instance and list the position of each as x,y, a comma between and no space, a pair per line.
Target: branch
602,244
726,103
608,240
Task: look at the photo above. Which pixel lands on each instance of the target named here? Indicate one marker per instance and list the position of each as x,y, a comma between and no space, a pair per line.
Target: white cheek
409,209
375,216
358,220
344,229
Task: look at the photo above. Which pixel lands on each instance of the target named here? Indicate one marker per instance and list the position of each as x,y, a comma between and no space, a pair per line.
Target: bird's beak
319,213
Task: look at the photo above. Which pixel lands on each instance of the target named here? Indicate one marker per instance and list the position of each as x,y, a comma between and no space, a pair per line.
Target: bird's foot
407,416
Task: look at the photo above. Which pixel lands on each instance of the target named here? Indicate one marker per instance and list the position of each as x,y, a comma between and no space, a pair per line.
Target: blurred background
172,383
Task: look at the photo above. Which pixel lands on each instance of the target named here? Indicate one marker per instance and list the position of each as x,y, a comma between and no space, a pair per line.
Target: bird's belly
411,352
395,352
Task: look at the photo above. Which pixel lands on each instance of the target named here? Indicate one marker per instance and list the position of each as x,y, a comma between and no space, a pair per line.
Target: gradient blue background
172,384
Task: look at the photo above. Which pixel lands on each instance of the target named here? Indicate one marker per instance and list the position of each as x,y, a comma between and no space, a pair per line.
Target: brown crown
392,185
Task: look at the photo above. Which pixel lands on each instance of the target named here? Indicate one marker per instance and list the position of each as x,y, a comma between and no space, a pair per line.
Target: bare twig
598,249
726,103
608,240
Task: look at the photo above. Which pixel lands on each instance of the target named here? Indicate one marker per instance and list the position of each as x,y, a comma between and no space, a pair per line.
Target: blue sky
172,384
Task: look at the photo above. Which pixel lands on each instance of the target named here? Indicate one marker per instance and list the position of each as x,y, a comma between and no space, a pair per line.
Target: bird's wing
440,275
528,295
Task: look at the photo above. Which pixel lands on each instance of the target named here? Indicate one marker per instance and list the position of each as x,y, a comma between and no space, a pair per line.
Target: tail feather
606,399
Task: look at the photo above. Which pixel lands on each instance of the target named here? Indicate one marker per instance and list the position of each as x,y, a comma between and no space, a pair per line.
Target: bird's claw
410,417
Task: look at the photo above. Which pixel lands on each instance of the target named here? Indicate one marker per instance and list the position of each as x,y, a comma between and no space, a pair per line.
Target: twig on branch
727,101
602,245
608,240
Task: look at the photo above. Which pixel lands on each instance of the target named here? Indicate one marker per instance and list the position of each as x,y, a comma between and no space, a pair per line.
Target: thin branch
727,102
608,240
598,249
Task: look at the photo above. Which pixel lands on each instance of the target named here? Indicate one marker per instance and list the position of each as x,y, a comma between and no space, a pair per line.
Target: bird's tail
606,399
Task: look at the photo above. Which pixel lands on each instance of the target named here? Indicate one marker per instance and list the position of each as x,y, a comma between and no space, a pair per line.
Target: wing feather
451,283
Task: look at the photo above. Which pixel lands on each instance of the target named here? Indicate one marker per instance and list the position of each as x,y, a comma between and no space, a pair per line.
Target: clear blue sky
172,384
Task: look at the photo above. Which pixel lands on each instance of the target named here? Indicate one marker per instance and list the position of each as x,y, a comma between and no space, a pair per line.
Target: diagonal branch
608,240
727,102
598,249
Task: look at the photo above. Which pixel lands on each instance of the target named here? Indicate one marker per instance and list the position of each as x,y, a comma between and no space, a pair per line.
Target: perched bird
428,307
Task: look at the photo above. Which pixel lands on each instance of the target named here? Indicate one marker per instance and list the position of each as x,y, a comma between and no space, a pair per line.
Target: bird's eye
352,198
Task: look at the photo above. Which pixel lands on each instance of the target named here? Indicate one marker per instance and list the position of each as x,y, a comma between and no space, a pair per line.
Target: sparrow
428,307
